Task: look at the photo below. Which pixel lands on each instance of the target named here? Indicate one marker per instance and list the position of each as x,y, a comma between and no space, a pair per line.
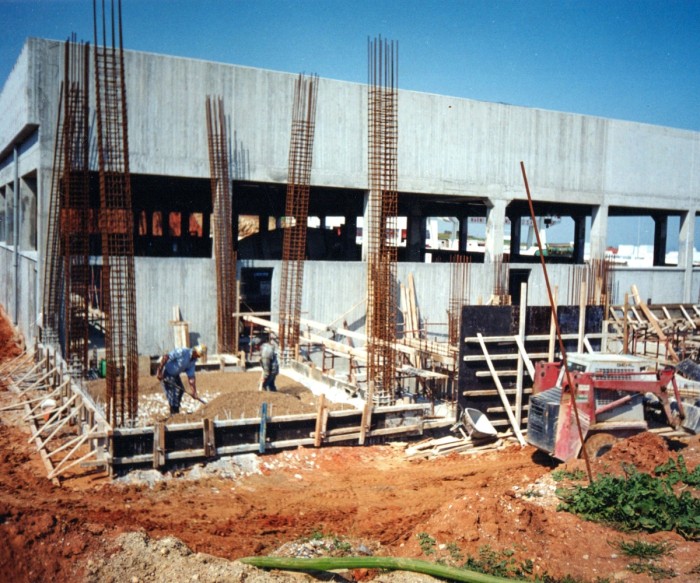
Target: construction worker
270,365
171,366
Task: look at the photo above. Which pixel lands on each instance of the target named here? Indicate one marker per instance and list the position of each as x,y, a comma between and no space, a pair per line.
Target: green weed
426,542
656,572
638,502
498,563
576,475
643,550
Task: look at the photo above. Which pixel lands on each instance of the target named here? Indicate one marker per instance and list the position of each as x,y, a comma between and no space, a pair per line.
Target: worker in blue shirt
171,366
270,365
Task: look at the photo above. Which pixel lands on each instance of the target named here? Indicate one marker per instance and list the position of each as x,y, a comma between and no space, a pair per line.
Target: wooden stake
520,366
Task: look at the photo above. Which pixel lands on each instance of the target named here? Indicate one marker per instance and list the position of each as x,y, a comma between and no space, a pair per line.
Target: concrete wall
447,146
333,292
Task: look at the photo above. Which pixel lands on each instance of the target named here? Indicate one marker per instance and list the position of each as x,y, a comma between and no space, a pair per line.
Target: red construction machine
607,393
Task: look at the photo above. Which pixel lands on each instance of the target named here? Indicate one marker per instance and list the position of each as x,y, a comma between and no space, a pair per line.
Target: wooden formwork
161,445
498,349
66,426
666,332
73,431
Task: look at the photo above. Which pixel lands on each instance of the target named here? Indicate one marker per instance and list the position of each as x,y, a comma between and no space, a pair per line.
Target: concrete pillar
686,247
495,223
349,235
415,235
28,232
660,238
365,226
579,239
463,233
599,231
515,233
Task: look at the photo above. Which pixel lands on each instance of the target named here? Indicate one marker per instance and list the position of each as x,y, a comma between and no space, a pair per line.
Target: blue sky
636,60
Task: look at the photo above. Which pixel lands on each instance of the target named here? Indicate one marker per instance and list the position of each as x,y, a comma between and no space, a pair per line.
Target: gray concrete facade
448,148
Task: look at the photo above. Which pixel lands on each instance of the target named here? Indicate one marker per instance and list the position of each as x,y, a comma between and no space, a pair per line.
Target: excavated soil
93,529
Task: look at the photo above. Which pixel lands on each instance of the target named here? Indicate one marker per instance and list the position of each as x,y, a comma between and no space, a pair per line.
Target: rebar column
224,253
116,221
382,109
459,295
66,277
53,265
296,214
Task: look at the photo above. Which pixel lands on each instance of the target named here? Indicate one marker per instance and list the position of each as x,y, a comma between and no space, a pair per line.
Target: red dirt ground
374,494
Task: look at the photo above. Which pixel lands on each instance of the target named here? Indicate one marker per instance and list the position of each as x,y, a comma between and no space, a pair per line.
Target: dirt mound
485,506
227,395
137,557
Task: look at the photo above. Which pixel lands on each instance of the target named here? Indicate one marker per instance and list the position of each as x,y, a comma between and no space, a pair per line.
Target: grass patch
560,475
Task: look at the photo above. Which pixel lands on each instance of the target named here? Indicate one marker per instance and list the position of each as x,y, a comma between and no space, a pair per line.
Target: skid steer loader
607,392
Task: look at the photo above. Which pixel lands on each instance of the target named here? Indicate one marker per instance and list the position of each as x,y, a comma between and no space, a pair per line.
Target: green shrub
638,501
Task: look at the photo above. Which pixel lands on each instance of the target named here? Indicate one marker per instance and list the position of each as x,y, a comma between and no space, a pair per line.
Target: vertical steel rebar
382,109
66,269
116,221
224,253
53,266
459,294
296,213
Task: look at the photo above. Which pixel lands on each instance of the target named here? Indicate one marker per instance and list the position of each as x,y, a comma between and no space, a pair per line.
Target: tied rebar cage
296,213
66,276
382,110
224,254
594,281
459,295
116,221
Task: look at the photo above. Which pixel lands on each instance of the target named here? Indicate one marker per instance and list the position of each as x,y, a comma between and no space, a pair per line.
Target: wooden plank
520,371
159,445
209,436
655,324
262,435
319,429
526,358
366,421
687,317
497,357
43,453
581,317
530,338
492,392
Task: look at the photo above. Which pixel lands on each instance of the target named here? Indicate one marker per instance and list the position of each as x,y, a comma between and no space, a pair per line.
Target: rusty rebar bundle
501,272
224,254
296,213
116,221
597,276
382,108
66,269
459,295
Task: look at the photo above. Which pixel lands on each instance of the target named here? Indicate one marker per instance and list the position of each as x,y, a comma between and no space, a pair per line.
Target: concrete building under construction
456,158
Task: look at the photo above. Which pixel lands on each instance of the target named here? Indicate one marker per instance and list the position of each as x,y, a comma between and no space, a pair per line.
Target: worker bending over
171,366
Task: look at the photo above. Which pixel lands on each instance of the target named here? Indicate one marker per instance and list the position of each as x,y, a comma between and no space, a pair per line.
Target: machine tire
598,444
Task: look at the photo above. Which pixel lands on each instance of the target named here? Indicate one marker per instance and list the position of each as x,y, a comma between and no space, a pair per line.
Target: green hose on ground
390,563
